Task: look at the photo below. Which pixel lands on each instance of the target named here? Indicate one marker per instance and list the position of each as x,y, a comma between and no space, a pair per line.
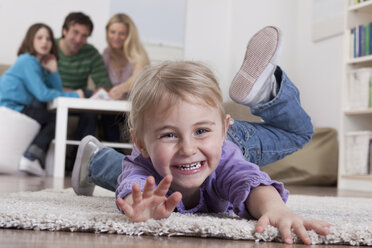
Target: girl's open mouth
190,168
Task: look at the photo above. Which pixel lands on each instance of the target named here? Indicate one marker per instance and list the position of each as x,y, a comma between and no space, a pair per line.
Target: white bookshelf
359,119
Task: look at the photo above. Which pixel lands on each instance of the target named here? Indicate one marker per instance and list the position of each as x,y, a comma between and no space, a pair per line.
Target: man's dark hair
77,18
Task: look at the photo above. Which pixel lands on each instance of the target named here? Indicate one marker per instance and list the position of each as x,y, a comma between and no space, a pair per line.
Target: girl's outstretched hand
265,204
141,206
285,221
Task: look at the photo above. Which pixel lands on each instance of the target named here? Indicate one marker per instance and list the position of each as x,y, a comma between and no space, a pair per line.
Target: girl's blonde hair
133,48
172,81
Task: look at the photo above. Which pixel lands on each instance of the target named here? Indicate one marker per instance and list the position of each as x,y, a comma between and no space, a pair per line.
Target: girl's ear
227,124
139,144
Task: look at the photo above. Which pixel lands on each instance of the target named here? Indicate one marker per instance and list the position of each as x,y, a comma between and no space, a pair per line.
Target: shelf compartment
358,112
364,7
355,182
364,59
363,177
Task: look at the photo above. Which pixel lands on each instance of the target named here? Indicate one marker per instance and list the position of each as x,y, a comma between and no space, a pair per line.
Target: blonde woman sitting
124,58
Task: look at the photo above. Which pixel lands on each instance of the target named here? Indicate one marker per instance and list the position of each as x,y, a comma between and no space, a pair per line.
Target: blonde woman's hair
172,81
133,48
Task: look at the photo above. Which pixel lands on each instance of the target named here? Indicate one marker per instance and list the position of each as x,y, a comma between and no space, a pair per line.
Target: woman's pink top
125,71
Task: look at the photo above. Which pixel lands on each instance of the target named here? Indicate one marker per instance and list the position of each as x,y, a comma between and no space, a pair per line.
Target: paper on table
101,94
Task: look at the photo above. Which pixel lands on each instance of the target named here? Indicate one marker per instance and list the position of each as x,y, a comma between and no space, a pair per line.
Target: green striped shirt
75,70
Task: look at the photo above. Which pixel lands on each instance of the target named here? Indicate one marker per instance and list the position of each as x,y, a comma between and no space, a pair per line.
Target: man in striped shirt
77,61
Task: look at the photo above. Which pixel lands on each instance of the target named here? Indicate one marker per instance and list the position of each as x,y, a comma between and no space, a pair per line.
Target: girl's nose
187,147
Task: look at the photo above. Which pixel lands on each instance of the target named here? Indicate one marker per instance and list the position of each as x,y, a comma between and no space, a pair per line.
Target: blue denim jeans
105,168
285,128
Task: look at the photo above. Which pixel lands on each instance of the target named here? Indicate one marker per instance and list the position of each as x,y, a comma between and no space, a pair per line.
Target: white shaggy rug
62,210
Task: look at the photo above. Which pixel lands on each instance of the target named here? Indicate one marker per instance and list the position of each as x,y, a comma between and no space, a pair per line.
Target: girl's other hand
265,203
150,203
285,221
49,62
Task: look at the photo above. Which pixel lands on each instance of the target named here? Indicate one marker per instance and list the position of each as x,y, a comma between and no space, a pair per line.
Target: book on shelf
355,2
361,41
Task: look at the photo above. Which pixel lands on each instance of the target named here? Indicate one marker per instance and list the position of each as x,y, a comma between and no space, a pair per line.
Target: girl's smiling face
42,42
184,140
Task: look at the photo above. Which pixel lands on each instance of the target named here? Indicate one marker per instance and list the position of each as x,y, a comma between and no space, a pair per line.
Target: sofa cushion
316,164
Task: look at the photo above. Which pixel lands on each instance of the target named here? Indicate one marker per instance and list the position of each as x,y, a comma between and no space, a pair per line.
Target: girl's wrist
52,71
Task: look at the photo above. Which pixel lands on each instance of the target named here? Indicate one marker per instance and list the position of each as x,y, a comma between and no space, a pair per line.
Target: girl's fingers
285,231
163,186
149,187
301,232
172,201
318,226
261,225
136,194
127,209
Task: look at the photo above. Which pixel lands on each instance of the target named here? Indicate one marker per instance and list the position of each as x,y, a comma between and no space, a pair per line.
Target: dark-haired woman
31,82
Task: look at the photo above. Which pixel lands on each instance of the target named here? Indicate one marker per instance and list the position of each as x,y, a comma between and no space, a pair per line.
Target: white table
63,105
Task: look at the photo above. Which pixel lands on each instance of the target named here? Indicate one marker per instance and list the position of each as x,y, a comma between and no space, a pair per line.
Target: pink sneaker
259,64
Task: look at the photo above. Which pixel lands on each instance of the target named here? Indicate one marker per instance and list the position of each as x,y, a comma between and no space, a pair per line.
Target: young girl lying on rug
261,85
179,129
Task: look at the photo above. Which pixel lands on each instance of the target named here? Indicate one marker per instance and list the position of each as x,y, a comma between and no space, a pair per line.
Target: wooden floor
43,239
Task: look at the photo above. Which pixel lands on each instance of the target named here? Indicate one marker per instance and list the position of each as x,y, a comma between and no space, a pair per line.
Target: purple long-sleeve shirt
224,191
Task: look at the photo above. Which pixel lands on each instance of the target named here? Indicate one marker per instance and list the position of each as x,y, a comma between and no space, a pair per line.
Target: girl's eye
201,131
168,136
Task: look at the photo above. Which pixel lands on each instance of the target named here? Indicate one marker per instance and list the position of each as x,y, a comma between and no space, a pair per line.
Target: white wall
17,15
158,21
318,70
251,16
207,36
315,68
220,38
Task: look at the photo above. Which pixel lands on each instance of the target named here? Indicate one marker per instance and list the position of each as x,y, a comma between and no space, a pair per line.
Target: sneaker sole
244,86
75,179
